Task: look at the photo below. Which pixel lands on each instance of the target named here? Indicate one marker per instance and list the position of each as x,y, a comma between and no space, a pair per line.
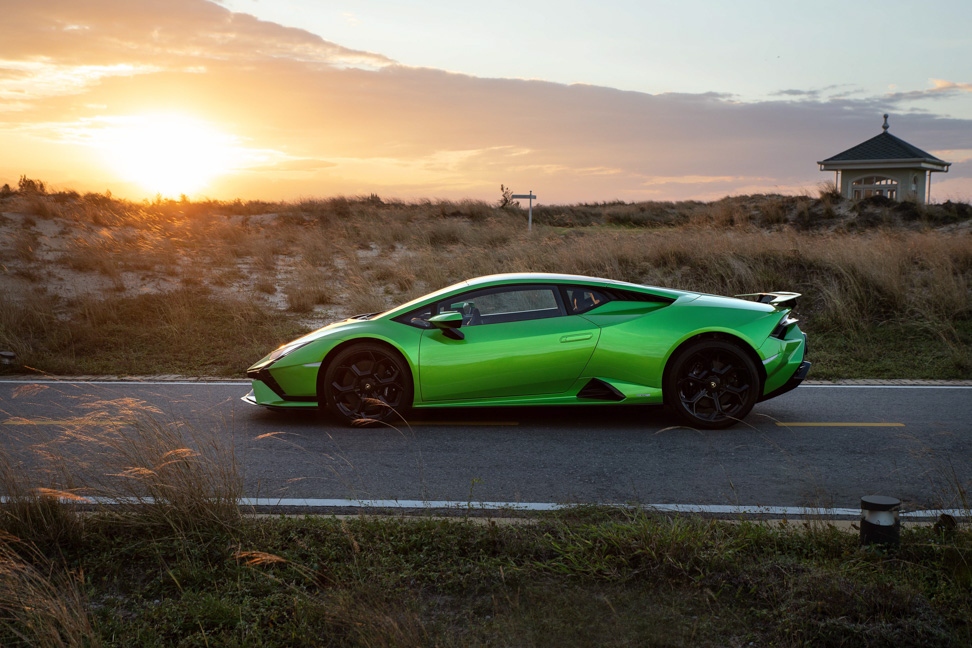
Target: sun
166,154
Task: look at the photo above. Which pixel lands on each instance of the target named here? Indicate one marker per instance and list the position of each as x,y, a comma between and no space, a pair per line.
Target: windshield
419,300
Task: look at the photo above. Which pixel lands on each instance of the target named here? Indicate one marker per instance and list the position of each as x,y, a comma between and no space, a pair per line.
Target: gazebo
884,166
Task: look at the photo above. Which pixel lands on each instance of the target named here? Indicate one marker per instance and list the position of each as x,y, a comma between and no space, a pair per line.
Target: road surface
820,446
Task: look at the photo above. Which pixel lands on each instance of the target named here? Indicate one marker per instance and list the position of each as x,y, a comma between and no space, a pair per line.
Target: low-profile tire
711,384
366,383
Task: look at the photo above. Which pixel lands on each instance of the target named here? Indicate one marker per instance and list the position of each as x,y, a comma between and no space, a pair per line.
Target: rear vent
600,390
781,329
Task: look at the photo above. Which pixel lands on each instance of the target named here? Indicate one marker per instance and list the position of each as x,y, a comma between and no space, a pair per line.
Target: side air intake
599,390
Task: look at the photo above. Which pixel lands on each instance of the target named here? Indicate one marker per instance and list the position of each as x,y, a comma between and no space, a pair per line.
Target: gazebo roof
884,150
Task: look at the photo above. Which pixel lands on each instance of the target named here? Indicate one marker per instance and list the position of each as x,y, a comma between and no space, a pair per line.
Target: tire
366,383
711,384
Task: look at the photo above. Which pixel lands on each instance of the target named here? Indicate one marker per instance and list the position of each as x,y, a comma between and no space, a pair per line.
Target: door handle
577,337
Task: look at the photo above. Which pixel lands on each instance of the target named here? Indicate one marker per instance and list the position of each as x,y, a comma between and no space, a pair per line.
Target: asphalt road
818,446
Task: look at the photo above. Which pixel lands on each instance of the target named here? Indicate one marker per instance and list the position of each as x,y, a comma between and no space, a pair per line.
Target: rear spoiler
775,299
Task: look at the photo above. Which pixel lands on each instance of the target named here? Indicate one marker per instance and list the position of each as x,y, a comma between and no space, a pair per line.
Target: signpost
531,198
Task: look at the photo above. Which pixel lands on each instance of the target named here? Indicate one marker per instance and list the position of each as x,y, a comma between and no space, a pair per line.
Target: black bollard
879,520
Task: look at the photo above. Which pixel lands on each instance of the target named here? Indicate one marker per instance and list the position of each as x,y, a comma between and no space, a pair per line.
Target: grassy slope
880,282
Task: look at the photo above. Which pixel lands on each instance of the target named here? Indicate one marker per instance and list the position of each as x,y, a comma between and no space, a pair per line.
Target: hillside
94,285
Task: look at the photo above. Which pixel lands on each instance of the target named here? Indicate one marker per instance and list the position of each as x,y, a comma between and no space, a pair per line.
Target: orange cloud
940,85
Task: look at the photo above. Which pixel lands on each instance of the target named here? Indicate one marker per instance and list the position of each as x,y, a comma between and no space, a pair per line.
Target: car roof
559,278
514,278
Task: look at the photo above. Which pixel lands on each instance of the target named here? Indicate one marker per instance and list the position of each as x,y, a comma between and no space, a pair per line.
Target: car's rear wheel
366,383
712,384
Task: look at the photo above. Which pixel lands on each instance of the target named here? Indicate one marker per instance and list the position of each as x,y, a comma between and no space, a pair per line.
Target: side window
581,299
496,306
418,318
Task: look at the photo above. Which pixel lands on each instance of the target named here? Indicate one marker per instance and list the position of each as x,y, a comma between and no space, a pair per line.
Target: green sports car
545,339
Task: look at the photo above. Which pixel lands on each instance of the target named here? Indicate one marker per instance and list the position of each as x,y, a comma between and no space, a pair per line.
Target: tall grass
41,605
187,331
168,476
32,508
137,475
309,287
867,271
163,475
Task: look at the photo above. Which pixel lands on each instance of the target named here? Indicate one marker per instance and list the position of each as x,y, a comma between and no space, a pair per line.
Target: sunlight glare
167,154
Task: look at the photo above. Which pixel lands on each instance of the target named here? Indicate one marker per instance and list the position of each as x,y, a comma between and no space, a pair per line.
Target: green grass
609,578
892,351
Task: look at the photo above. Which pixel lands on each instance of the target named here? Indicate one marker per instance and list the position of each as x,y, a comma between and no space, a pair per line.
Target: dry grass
186,330
24,246
41,605
310,287
32,506
164,476
861,267
85,255
145,476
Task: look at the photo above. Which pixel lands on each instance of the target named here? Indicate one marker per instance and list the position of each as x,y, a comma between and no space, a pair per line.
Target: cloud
955,156
819,94
693,180
322,119
940,85
793,92
23,83
940,89
143,36
276,163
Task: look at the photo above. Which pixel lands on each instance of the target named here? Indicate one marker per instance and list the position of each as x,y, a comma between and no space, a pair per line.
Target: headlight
285,350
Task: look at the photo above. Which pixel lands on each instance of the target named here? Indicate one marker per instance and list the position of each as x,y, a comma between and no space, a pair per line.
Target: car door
516,341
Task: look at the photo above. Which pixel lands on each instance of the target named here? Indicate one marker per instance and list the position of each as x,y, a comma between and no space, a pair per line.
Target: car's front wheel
366,383
711,384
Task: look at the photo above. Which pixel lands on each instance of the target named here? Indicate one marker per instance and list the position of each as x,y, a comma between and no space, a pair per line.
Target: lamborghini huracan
545,339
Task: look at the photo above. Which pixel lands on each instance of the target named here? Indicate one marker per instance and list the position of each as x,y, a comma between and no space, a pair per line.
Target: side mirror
449,323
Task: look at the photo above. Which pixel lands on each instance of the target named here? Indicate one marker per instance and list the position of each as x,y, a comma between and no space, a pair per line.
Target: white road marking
710,509
837,424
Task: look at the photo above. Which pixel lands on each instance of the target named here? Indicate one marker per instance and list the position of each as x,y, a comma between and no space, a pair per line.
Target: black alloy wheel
367,383
712,384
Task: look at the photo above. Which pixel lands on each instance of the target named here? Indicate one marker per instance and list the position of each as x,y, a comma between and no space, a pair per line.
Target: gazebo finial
885,127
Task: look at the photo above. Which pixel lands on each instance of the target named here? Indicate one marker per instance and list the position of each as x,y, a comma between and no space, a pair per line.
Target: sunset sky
578,100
